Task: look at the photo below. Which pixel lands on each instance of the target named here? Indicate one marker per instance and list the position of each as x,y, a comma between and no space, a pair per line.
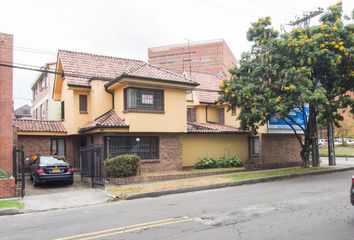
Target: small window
83,103
221,116
191,115
62,110
254,145
143,99
233,111
41,111
57,146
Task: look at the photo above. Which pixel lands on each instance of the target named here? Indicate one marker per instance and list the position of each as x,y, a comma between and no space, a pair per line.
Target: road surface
312,207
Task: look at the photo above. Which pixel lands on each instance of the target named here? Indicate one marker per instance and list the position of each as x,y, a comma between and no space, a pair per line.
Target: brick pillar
6,115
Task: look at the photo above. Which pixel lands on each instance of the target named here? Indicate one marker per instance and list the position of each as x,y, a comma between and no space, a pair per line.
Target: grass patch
271,173
213,170
341,151
11,204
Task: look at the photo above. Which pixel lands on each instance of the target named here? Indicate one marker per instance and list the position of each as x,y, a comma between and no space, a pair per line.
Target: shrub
206,163
222,162
229,162
4,174
125,165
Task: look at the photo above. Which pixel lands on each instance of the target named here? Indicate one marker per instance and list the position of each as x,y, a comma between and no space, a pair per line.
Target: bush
222,162
125,165
229,162
4,174
206,163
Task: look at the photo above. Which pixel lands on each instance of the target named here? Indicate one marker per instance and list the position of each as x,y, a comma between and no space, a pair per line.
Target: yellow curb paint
127,228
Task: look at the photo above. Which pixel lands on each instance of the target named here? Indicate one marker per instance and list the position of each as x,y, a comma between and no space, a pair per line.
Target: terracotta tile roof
33,125
79,68
211,128
207,81
109,119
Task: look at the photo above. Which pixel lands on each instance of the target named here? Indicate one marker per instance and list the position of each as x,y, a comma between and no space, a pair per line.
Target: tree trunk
331,151
312,134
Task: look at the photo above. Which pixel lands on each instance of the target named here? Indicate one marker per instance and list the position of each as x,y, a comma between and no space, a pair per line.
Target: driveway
59,195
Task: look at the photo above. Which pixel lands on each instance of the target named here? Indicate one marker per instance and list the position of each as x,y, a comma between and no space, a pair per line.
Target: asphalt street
312,207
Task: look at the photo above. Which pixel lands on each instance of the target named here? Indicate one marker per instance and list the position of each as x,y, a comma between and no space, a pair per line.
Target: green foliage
125,165
313,66
4,174
206,163
222,162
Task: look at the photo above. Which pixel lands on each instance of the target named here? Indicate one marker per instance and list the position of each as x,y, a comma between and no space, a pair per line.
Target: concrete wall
196,146
6,106
275,151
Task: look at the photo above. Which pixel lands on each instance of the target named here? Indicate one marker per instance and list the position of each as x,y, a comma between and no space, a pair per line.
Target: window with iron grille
83,103
144,147
143,99
254,145
191,115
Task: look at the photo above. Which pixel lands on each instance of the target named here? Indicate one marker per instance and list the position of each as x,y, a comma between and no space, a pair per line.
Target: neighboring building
6,104
43,106
213,56
23,112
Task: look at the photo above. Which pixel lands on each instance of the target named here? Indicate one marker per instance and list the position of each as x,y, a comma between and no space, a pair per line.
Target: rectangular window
57,146
41,112
221,116
233,111
143,99
254,145
144,147
62,110
191,115
83,103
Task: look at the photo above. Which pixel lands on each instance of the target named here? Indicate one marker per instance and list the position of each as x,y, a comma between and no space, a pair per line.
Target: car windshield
48,160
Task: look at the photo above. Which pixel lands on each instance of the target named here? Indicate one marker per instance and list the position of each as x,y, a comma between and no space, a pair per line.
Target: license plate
56,170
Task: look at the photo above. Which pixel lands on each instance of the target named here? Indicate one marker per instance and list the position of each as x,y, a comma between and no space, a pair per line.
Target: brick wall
7,188
276,151
6,75
170,157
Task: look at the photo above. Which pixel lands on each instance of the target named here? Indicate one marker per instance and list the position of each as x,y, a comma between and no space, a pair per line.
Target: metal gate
91,164
18,158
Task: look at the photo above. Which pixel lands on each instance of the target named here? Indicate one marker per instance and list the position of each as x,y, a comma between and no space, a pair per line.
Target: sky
123,28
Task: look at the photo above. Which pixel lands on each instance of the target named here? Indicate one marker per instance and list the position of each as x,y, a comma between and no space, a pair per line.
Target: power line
271,6
80,76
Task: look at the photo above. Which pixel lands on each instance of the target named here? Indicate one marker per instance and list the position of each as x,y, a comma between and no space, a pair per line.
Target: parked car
51,169
350,142
322,142
352,192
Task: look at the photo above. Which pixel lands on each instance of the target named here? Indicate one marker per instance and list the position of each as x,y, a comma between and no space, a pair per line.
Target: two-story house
129,106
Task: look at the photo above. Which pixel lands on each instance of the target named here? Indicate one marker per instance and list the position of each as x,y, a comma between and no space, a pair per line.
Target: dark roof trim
120,77
82,130
78,86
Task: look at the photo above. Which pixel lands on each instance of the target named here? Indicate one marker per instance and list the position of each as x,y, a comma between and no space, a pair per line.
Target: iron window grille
143,99
144,147
62,114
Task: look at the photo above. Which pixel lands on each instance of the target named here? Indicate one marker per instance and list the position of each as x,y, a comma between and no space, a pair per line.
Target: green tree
311,66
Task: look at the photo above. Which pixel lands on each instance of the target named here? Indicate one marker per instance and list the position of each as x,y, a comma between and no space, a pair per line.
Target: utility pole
304,22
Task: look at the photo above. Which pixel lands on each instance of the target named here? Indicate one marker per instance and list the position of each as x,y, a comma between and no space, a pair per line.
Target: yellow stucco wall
101,100
196,146
200,114
174,119
213,114
73,119
231,120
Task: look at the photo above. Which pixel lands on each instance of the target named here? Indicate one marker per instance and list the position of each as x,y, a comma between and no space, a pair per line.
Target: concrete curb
232,184
9,211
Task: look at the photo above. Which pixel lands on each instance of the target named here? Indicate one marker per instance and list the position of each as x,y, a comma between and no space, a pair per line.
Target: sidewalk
155,189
